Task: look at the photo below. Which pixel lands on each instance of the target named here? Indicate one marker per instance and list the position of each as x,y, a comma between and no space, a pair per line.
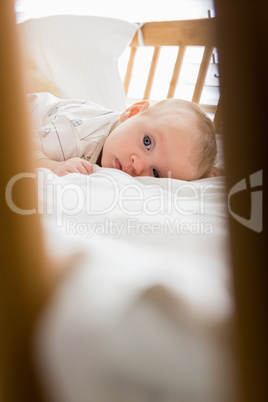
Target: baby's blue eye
147,142
155,173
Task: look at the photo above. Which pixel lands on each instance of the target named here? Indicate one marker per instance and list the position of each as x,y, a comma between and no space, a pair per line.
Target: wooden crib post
152,71
202,74
25,278
129,68
243,48
176,71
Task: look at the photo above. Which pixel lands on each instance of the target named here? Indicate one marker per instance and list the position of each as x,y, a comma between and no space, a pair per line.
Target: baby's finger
88,166
72,169
80,169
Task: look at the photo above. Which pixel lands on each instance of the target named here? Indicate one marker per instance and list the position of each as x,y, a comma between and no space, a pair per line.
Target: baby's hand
73,165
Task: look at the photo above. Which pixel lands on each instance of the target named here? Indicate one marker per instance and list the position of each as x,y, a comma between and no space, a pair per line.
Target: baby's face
149,145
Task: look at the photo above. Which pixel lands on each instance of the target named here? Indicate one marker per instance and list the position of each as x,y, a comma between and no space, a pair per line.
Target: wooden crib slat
199,32
176,72
129,68
24,274
28,275
202,74
151,73
243,49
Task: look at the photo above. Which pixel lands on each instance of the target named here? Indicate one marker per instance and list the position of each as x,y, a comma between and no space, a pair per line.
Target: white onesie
66,128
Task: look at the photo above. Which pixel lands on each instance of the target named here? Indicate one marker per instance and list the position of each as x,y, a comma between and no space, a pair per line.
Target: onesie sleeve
68,128
39,106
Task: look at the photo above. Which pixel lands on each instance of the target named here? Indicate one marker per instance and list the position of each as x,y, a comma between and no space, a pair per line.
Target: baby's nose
138,165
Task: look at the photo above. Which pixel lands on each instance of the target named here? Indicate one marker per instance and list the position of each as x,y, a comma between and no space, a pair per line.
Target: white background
133,11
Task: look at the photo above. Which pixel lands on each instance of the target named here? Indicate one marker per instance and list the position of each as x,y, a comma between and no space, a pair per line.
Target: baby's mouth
118,164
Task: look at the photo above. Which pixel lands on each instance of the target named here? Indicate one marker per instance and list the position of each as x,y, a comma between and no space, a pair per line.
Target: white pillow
79,54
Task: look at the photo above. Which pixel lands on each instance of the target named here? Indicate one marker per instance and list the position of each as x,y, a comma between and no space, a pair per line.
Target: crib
112,317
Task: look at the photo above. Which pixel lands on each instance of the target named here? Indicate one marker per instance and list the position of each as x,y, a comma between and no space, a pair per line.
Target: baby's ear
134,109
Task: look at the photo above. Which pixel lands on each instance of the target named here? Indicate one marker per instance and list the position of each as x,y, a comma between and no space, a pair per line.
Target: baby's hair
206,145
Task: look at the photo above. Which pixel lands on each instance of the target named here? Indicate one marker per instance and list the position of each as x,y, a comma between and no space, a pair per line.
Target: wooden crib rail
181,34
198,32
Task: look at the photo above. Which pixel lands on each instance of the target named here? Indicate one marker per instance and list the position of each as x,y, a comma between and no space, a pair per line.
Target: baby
171,138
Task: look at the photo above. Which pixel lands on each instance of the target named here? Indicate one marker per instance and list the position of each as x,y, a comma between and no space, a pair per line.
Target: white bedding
135,314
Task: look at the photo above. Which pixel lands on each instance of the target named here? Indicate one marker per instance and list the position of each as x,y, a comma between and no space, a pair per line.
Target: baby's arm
73,165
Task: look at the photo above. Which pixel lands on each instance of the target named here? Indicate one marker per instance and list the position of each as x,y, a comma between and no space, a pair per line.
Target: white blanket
138,307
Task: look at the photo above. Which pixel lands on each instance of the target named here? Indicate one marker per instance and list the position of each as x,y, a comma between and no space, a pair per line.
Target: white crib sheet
136,315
